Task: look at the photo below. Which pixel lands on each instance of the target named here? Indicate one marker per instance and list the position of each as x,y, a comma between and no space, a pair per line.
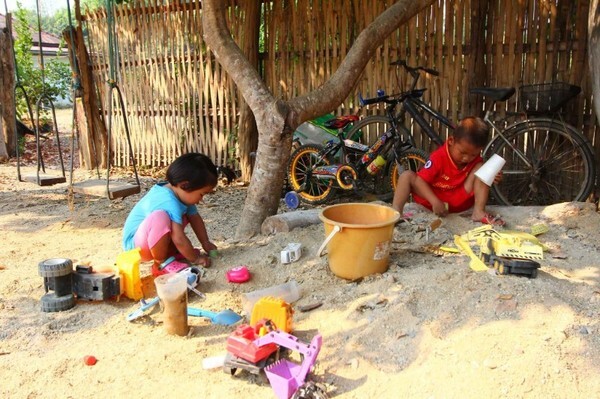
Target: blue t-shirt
159,198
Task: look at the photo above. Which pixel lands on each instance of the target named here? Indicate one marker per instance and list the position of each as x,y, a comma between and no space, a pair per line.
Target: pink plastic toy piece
238,275
284,376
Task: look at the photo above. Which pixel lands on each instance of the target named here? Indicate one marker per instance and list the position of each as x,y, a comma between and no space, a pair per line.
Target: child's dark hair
195,169
474,130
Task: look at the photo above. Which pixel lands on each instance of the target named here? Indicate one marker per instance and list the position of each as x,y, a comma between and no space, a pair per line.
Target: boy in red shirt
447,182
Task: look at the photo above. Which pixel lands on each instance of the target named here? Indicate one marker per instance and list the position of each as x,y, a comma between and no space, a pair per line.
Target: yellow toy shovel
476,264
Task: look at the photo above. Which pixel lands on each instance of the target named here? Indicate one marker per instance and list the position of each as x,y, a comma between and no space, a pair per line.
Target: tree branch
327,97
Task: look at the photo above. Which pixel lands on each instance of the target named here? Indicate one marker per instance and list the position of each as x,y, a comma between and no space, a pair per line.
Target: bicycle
547,160
314,171
311,172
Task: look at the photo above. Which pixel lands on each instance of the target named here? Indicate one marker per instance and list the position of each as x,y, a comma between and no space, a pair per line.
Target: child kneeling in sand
447,182
156,223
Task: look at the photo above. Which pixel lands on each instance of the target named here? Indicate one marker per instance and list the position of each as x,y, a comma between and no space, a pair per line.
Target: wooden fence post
7,80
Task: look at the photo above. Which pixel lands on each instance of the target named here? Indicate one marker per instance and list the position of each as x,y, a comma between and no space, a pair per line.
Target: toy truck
509,252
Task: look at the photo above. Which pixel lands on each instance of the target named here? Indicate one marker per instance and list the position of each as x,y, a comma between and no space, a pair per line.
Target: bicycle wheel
547,162
310,189
413,159
370,128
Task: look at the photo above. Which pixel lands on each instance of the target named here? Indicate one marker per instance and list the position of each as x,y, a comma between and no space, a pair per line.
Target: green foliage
56,81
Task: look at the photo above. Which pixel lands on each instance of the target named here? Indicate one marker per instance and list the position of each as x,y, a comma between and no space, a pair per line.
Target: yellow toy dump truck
509,252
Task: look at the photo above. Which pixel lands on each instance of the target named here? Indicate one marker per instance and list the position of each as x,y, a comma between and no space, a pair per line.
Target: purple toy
284,376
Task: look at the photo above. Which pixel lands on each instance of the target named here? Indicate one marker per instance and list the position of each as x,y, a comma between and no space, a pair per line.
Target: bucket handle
336,228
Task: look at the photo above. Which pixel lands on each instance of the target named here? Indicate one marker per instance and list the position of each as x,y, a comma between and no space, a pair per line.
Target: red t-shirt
447,180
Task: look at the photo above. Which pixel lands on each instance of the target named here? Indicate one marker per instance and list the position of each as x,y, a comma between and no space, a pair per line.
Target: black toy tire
52,303
310,390
55,267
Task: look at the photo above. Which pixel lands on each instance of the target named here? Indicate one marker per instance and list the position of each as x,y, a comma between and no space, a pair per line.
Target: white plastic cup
289,292
213,362
488,171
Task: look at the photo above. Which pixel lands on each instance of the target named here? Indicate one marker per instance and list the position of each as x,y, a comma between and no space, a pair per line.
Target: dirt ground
429,327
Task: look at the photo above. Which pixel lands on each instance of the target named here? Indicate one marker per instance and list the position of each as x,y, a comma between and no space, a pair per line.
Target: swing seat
97,188
45,179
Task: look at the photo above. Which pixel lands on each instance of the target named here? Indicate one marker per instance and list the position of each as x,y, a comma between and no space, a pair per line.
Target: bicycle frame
488,118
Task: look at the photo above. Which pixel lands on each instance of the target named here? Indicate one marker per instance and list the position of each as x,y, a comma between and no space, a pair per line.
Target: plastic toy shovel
225,318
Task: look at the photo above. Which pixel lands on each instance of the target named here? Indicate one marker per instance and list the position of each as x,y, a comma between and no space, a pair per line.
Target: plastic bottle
289,292
376,165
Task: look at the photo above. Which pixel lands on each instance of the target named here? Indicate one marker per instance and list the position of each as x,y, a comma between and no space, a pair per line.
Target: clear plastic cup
289,292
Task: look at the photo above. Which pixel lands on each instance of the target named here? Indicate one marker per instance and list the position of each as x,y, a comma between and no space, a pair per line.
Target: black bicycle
547,160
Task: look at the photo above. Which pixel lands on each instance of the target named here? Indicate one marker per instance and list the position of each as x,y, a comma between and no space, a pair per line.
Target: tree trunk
284,222
3,152
247,132
7,98
276,119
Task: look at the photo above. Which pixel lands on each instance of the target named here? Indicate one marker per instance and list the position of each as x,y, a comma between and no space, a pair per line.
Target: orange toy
277,310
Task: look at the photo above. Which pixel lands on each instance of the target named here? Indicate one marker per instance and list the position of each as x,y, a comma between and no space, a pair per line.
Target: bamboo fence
179,99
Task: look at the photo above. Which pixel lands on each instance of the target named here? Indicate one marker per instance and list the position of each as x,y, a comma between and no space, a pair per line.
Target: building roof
50,42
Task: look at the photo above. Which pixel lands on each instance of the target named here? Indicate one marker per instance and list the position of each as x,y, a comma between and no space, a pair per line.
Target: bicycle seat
340,122
495,93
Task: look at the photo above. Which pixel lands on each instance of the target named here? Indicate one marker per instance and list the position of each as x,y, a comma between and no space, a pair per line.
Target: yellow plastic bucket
358,238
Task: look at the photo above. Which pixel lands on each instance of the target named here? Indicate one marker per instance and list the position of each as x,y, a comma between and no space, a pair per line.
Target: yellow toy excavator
509,252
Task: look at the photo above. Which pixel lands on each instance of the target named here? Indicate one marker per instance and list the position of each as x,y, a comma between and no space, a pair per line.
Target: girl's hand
208,246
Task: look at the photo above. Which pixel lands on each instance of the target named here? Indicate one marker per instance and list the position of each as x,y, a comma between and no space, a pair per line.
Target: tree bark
277,119
284,222
7,98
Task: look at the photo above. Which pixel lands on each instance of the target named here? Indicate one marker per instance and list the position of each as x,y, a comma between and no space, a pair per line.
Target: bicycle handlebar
413,70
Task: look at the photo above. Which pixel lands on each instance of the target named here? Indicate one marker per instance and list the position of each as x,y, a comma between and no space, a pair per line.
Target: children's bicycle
315,172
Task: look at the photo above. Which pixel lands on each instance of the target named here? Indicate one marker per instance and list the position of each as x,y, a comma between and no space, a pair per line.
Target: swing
103,187
40,178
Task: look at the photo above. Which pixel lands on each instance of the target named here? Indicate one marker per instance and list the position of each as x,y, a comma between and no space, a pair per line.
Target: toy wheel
500,267
53,303
310,390
55,267
534,273
292,200
229,370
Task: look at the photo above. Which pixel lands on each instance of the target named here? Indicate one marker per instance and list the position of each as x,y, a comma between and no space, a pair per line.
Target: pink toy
284,376
238,275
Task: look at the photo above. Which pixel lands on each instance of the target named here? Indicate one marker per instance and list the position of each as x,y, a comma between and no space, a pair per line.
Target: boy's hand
208,246
439,208
498,178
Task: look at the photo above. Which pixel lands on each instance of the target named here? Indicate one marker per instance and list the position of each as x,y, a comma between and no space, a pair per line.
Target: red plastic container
238,274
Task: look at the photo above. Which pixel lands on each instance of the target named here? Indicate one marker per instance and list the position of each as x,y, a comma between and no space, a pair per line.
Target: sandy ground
429,327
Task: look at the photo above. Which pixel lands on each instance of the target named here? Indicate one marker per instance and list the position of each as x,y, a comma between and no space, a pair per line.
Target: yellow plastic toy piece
128,265
538,229
476,264
275,309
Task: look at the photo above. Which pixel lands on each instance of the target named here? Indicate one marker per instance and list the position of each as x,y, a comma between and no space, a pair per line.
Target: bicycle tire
372,127
562,167
316,191
413,159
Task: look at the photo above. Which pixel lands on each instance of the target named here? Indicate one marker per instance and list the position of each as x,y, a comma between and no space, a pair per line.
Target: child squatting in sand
156,223
447,182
